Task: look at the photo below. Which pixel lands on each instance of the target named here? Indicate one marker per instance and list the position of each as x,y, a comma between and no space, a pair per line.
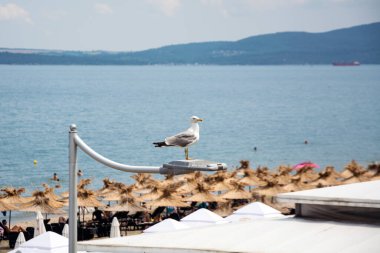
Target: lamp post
174,167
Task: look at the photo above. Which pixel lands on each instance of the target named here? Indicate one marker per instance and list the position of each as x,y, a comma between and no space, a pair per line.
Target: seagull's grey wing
182,139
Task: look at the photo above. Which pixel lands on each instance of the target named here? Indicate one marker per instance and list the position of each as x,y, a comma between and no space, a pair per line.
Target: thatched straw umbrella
354,173
296,184
4,206
168,198
224,209
143,181
191,183
244,165
42,203
107,187
283,176
219,182
155,193
49,192
250,178
202,194
328,177
373,171
237,192
126,205
307,174
13,197
270,189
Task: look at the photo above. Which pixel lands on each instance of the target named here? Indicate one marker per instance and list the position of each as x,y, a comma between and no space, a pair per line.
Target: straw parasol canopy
283,176
13,195
155,193
126,205
107,187
203,195
296,184
328,177
250,179
219,182
143,181
354,173
88,198
4,206
373,171
224,209
271,188
307,174
49,193
41,203
237,192
244,165
168,198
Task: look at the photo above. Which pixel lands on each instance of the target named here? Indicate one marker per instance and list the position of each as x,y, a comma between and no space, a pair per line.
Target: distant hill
359,43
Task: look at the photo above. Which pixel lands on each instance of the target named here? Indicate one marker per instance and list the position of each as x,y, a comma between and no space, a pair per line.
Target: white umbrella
20,240
40,227
115,228
65,231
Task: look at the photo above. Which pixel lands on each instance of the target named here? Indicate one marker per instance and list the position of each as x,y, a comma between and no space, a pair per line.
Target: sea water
121,110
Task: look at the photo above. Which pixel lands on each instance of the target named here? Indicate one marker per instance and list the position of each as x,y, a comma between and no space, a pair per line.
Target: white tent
40,226
202,217
20,240
115,228
65,231
166,226
252,211
48,242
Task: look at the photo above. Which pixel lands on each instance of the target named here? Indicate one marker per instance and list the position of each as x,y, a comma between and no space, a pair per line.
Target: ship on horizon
352,63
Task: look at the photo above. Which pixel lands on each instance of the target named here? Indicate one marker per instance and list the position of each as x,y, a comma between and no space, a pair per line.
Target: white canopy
257,208
166,226
252,211
48,242
202,217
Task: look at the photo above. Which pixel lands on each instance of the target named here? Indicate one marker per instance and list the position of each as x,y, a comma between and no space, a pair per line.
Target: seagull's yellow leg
187,153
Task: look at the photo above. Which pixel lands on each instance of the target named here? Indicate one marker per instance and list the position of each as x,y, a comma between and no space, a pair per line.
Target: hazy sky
130,25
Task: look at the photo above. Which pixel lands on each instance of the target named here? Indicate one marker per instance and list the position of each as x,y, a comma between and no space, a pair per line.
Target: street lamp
174,168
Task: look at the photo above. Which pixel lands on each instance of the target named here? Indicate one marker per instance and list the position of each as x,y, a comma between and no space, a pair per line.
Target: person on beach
15,228
98,215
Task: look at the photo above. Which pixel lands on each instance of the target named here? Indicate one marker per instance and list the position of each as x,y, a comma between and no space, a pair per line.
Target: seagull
183,139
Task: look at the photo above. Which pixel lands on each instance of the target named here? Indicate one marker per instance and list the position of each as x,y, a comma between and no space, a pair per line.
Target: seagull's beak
199,120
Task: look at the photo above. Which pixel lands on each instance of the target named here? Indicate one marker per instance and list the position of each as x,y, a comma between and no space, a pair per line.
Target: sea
263,114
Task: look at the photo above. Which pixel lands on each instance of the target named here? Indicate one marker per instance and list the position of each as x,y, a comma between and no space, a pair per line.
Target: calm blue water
121,110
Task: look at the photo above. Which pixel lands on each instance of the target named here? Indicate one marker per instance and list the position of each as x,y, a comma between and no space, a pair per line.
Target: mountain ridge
358,43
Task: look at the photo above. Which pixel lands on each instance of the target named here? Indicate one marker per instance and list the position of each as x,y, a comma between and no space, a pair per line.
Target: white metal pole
73,206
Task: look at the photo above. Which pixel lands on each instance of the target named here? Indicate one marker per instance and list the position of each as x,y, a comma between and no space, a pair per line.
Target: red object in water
305,164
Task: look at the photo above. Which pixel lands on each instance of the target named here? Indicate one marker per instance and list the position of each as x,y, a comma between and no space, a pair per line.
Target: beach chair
12,237
30,233
55,227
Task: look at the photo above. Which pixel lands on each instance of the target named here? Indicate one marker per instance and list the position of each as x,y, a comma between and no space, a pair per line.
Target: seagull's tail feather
161,144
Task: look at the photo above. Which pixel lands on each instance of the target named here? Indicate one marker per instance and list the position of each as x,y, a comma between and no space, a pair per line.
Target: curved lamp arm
107,162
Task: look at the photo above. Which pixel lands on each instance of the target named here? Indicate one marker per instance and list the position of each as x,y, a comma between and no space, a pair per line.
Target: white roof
250,217
293,235
365,194
166,226
202,215
46,242
257,208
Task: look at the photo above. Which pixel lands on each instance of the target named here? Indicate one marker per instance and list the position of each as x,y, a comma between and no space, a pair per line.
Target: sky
133,25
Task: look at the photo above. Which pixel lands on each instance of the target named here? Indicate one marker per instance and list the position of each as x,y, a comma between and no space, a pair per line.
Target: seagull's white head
195,119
